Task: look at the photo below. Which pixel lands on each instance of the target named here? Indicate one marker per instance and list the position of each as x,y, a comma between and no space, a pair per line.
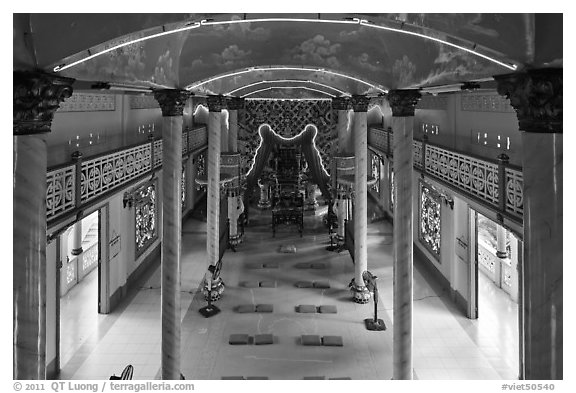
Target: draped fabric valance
306,141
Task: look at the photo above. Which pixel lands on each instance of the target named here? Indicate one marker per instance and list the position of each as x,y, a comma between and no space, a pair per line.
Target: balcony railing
477,177
103,173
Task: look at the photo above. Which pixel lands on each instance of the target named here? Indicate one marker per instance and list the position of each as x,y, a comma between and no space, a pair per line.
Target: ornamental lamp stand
373,324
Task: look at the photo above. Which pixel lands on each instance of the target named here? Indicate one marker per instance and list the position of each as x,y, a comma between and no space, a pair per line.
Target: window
146,216
375,172
491,139
392,189
430,129
429,219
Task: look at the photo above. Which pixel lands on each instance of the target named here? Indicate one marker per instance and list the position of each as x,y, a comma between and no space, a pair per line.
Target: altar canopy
306,142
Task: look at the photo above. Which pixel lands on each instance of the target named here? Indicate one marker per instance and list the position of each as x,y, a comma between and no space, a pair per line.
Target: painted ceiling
280,59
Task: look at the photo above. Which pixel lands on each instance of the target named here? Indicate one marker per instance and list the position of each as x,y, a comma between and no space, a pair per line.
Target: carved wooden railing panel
477,177
60,191
514,191
472,176
108,172
113,170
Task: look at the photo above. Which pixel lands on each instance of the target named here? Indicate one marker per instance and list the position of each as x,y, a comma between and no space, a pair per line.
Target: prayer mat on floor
328,309
303,265
252,378
311,339
263,339
239,339
332,341
270,265
318,265
288,248
267,284
264,308
304,284
314,378
306,308
321,284
245,308
231,378
341,378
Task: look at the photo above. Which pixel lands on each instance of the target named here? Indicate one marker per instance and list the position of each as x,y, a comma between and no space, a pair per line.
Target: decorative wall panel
486,103
431,102
430,225
198,137
145,208
514,191
287,118
88,102
143,102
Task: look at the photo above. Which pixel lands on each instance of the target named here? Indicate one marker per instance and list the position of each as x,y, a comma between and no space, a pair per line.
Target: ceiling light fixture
364,22
287,87
187,26
285,81
283,68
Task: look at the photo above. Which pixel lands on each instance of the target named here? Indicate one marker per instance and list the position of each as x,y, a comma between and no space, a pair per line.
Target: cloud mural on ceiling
389,59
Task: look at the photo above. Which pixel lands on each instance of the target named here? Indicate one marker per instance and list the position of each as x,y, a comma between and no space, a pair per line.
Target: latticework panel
60,191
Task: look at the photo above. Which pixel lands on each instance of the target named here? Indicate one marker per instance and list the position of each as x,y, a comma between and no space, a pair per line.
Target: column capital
37,96
360,103
172,101
340,103
403,102
235,103
215,103
536,95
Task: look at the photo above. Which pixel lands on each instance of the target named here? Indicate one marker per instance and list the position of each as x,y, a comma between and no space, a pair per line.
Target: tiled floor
446,344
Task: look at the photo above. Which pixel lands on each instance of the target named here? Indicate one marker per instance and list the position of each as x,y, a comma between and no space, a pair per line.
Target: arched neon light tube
357,21
287,87
364,22
191,26
285,81
288,140
282,68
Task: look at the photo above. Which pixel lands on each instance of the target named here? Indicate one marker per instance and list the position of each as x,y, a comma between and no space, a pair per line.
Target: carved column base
360,294
501,254
236,239
77,251
217,289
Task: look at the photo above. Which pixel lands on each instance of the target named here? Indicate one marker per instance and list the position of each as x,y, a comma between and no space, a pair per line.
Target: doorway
497,256
83,290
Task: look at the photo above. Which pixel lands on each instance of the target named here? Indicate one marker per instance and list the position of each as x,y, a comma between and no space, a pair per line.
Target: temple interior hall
287,196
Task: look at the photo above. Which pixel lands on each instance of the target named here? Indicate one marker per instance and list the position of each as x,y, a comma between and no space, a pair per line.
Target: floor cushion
245,308
264,308
321,284
332,341
306,308
310,339
328,309
263,339
238,339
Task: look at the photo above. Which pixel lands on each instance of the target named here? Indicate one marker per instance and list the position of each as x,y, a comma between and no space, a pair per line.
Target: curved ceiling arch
242,90
396,50
239,78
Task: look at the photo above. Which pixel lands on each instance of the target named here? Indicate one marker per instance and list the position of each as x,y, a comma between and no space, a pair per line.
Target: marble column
360,134
215,104
234,195
172,103
403,103
340,104
341,212
36,97
77,239
223,129
234,105
537,97
501,242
